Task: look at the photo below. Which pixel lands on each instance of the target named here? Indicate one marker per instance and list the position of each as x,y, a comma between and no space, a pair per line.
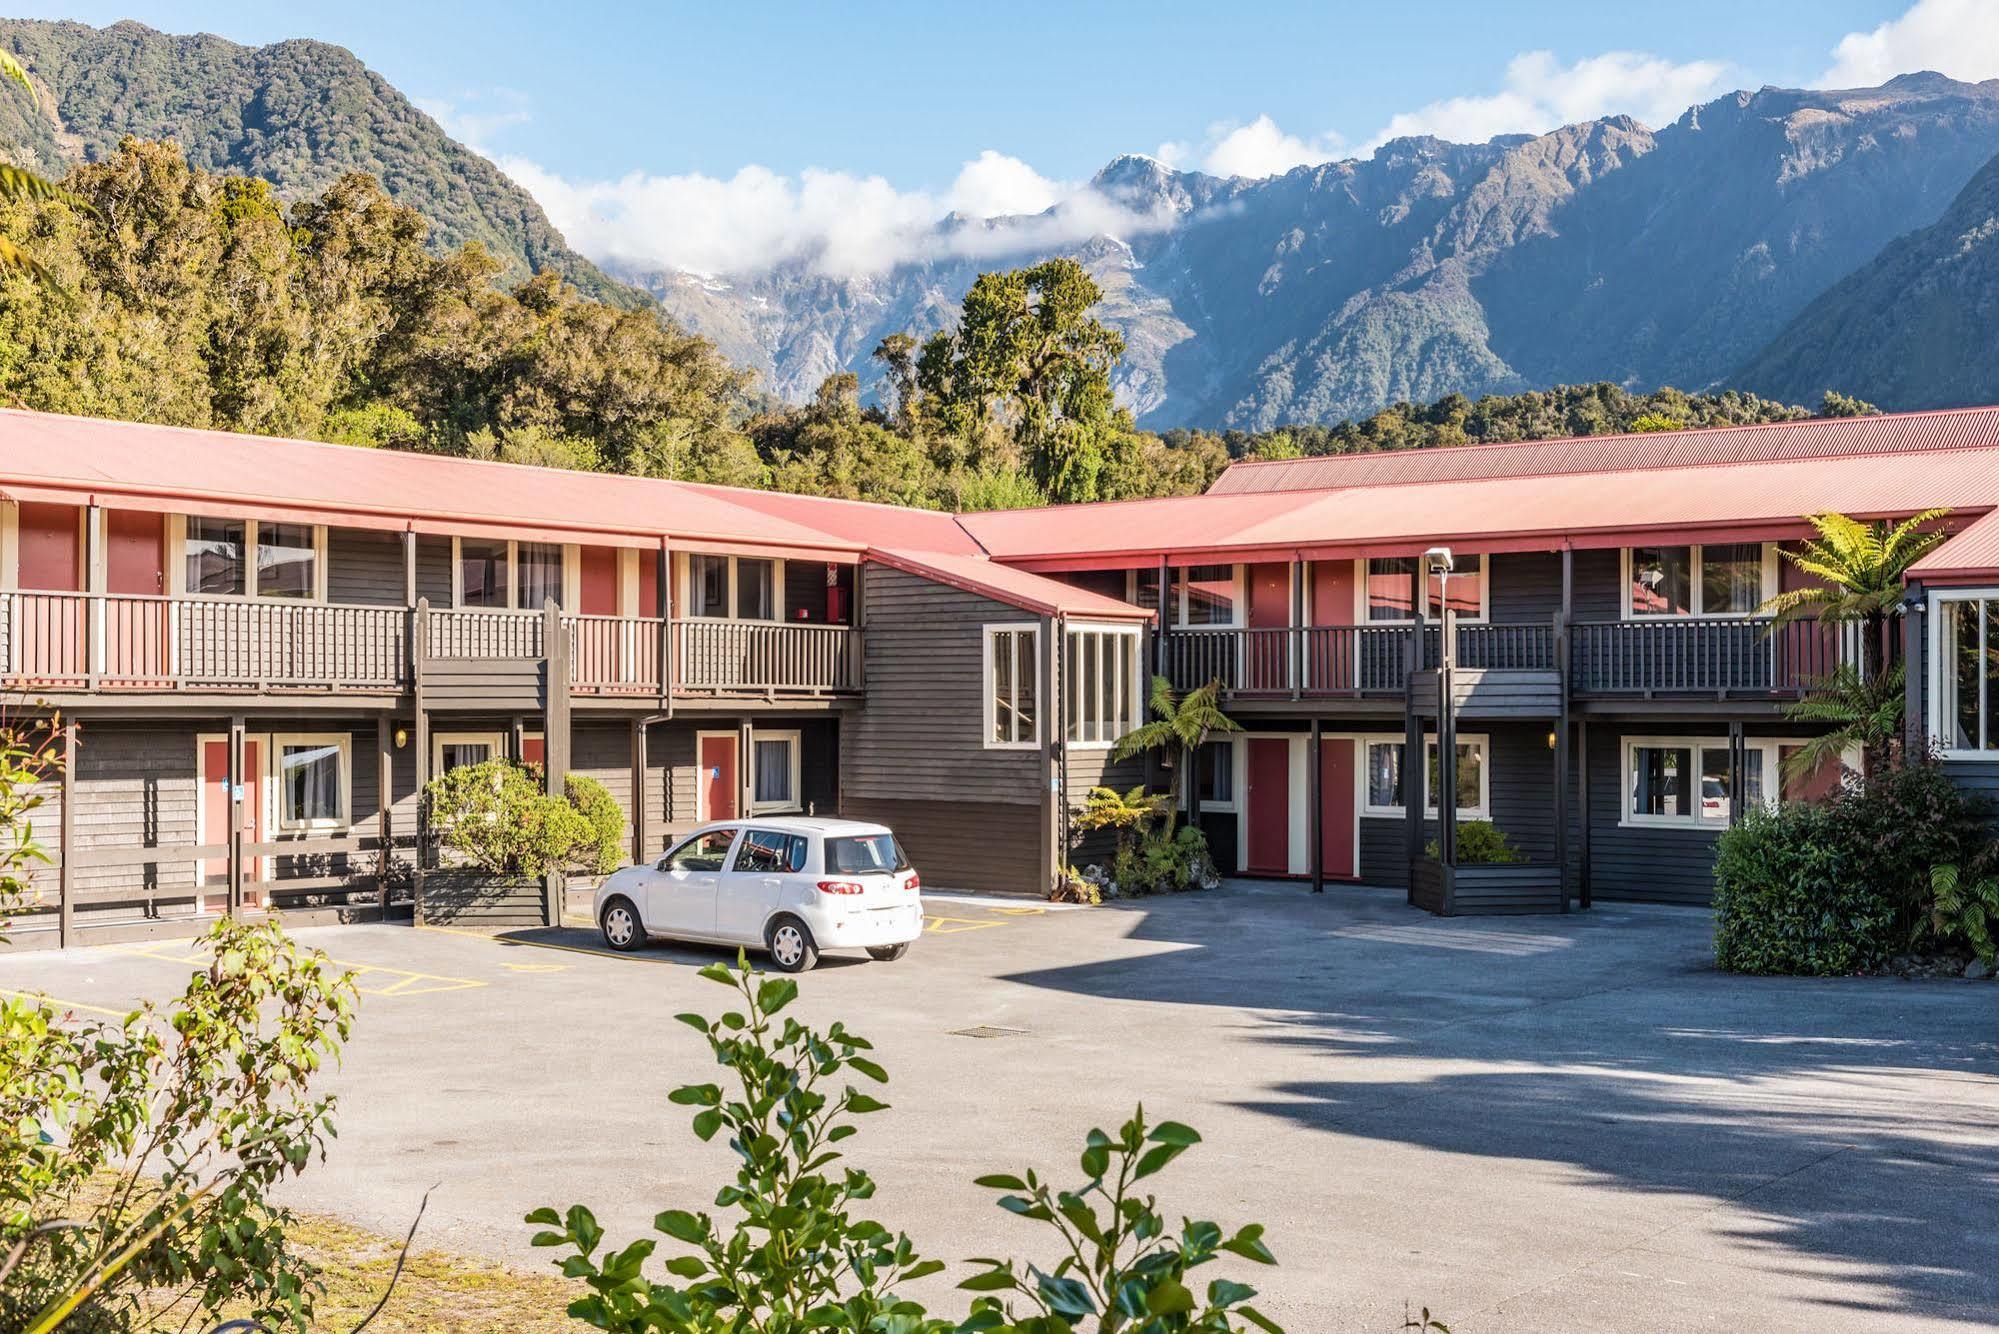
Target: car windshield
861,854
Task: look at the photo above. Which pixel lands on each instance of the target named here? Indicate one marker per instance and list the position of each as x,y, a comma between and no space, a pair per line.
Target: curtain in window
1658,780
284,560
1391,586
773,772
707,585
756,598
1384,774
310,783
538,573
482,573
1210,594
216,565
1731,578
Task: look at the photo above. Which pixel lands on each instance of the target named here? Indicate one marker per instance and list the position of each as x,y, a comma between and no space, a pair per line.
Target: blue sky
613,113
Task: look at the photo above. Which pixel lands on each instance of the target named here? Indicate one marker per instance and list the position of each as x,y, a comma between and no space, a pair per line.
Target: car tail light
915,882
841,887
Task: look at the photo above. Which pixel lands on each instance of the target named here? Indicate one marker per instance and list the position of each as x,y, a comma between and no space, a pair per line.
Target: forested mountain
1917,326
298,114
1600,251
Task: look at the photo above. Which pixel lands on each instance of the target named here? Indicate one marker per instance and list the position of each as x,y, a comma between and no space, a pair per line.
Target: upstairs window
1964,673
742,588
537,574
1391,584
482,573
250,558
1012,670
1103,683
1207,594
1721,579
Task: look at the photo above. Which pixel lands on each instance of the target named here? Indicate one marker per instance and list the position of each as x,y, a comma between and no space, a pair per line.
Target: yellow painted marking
536,967
1020,912
951,926
516,942
370,979
61,1004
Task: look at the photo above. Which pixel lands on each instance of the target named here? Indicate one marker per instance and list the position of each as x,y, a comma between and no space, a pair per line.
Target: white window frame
1696,590
1134,672
1234,803
571,573
796,738
685,579
1771,747
1177,589
986,712
1361,608
1938,720
439,740
1479,740
177,562
274,763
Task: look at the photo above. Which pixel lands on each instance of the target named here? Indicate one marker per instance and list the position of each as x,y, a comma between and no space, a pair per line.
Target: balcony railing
62,642
1667,657
1336,660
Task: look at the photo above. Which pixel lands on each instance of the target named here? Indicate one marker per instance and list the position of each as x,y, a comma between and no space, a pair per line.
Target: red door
1267,849
135,625
1266,657
534,749
1337,845
600,581
716,782
51,548
50,630
1330,656
1804,649
216,807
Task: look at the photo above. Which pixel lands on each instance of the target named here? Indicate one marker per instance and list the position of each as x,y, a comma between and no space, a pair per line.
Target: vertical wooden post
1414,794
384,810
662,592
94,583
638,790
1447,741
66,870
419,652
517,737
237,810
1582,813
555,740
1915,725
1561,754
1315,814
1296,666
1738,786
746,759
1163,617
409,568
1048,773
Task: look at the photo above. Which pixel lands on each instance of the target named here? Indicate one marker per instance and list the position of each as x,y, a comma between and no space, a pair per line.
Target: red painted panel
51,548
215,804
1332,592
534,750
1817,785
1269,596
600,581
716,780
134,553
1267,849
1338,846
1331,659
1805,649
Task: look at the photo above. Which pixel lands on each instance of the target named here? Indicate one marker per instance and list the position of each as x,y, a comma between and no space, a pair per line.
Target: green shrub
1480,843
1791,896
1907,819
1963,910
496,815
593,801
1072,887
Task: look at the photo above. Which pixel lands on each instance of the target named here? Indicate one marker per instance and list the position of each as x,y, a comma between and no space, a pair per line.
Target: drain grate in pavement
988,1031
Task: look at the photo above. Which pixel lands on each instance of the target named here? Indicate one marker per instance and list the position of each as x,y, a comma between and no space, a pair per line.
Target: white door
680,893
753,886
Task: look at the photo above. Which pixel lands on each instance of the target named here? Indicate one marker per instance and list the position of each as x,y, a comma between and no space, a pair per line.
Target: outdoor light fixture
1439,560
402,737
1551,740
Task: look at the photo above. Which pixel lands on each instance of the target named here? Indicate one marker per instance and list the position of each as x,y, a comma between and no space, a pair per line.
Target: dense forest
184,297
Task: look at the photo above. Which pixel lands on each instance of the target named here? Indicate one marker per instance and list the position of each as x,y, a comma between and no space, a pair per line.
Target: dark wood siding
993,847
805,590
1525,587
1520,792
1640,862
1597,594
364,567
921,731
433,570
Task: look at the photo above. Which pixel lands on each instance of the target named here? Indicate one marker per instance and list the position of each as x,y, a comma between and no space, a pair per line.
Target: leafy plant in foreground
796,1256
1963,909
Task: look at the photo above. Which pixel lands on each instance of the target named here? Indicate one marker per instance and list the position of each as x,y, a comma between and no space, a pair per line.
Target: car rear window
767,851
859,854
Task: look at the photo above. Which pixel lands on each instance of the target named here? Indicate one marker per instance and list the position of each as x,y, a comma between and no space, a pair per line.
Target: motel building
262,649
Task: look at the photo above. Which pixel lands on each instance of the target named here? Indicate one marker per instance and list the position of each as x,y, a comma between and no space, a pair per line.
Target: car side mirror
661,864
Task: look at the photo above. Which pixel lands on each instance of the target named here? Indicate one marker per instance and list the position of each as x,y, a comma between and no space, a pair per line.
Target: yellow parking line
951,926
368,977
514,941
61,1004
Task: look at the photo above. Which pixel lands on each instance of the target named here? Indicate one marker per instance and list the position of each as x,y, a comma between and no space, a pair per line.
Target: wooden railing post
66,869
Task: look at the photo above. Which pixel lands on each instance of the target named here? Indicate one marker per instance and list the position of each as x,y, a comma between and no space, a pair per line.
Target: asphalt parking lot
1525,1124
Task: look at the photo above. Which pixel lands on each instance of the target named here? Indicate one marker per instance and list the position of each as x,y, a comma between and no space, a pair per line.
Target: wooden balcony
1727,658
64,643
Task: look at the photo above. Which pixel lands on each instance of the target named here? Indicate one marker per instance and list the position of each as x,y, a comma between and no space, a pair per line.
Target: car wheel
621,926
791,947
888,953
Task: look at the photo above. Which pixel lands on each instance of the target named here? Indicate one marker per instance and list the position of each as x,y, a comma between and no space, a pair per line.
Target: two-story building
264,648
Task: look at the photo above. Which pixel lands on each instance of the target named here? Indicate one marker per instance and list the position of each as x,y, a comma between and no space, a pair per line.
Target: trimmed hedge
605,852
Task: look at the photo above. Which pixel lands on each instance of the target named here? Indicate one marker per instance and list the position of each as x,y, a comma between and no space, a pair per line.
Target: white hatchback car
790,886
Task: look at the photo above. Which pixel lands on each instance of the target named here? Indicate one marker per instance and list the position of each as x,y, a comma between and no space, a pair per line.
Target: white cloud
473,118
844,224
1541,94
1955,37
1260,148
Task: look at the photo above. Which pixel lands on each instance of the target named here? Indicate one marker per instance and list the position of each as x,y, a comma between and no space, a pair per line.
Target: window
706,852
1145,589
248,558
457,750
768,852
1207,594
734,587
1103,681
1964,672
774,771
537,574
1391,588
864,854
1722,579
311,781
1012,671
285,555
1687,780
1214,776
217,557
1384,777
482,573
1391,583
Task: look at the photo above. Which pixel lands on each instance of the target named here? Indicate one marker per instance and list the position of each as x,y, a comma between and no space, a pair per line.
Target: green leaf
686,1266
1169,1296
993,1280
706,1123
868,1068
773,994
1172,1132
1248,1243
680,1225
997,1181
1222,1292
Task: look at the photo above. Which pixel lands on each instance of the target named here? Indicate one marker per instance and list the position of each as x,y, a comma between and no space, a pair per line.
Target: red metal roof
1762,499
1972,555
131,465
858,521
1894,433
1016,587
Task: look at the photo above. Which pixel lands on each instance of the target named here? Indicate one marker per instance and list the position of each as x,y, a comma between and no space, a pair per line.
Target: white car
793,887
